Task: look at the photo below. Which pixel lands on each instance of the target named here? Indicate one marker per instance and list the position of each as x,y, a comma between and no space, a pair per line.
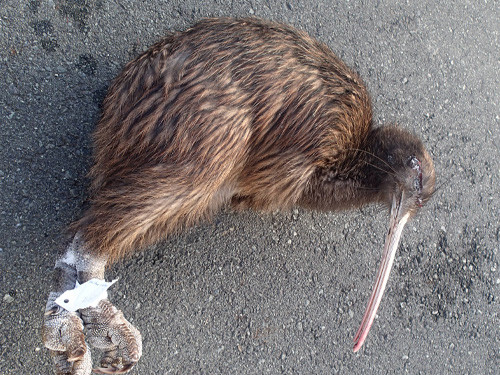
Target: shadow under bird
241,112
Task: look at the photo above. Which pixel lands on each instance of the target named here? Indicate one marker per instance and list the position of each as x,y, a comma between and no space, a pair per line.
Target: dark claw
114,370
53,311
76,354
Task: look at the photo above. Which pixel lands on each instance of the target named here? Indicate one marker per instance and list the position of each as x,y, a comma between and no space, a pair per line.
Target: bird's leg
105,326
62,329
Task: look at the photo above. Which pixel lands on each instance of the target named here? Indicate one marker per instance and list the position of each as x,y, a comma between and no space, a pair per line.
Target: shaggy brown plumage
231,110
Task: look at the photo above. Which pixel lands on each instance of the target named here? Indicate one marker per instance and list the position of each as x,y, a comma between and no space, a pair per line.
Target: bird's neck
360,178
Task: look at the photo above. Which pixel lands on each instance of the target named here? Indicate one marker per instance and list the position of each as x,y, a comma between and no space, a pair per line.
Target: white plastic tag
84,295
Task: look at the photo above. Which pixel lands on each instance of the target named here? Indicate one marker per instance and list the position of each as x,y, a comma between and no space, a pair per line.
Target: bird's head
406,180
410,176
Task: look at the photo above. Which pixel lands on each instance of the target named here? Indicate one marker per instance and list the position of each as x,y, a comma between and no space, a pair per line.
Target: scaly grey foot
62,334
107,329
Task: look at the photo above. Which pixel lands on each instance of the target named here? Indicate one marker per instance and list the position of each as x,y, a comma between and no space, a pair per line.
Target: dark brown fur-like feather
238,111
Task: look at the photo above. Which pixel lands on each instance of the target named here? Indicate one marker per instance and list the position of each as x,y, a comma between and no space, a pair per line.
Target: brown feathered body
231,111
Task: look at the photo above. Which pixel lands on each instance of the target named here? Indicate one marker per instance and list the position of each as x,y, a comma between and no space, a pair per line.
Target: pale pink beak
397,223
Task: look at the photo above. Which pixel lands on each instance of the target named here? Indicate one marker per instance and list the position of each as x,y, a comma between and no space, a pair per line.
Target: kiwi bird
241,112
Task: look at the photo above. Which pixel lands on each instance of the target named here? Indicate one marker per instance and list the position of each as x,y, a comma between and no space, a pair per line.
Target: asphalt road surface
279,293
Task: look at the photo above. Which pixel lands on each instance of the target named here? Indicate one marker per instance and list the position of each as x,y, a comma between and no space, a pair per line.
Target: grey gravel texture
279,293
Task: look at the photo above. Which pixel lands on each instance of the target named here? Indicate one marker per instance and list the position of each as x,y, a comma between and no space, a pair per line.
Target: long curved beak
397,222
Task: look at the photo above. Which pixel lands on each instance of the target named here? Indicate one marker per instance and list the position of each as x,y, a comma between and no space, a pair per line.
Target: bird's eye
413,162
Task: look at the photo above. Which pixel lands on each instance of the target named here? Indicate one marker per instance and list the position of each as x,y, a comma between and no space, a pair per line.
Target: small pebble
8,298
61,69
